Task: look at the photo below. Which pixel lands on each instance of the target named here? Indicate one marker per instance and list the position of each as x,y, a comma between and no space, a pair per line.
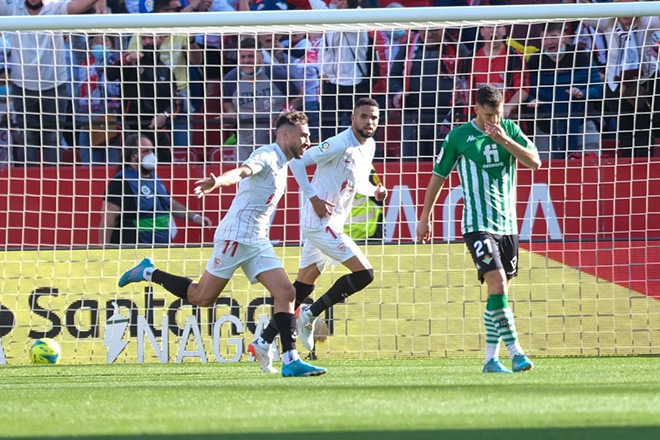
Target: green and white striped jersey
488,176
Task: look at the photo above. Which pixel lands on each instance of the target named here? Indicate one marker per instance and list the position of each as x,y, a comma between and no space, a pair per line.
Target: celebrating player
241,239
343,164
485,151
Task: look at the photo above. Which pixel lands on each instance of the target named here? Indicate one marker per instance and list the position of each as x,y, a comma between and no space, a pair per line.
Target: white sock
148,272
290,356
260,341
514,349
492,352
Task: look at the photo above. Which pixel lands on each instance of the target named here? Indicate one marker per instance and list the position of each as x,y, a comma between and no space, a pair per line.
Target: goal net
88,96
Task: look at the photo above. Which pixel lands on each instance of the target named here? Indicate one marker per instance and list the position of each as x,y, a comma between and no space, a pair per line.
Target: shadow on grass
599,433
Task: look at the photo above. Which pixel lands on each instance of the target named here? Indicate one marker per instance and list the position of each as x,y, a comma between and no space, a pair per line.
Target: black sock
302,292
173,283
286,322
343,288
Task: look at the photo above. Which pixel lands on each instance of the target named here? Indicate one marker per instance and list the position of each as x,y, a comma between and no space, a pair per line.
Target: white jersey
343,166
249,216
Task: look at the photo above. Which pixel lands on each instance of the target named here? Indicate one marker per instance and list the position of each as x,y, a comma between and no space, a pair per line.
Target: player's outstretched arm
231,177
430,198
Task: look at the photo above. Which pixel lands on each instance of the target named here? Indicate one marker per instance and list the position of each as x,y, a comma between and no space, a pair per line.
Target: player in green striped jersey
485,152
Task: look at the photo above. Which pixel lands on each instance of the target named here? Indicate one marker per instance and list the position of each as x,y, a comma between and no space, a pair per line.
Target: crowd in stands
577,88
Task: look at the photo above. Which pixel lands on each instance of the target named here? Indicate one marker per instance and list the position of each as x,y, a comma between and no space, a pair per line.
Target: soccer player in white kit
343,164
241,239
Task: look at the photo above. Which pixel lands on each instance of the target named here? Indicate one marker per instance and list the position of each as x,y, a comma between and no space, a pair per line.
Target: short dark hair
352,4
489,96
554,26
132,145
247,43
290,119
159,5
366,101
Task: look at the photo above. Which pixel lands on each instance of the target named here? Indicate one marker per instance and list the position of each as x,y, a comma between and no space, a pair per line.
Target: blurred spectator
254,95
5,135
422,80
98,101
147,92
138,208
564,81
303,55
182,53
631,82
346,70
38,88
498,65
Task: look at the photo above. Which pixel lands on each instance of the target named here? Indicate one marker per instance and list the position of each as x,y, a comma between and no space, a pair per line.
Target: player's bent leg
278,284
206,291
136,274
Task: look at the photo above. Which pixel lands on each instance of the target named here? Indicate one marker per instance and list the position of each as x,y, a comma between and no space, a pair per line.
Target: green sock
504,323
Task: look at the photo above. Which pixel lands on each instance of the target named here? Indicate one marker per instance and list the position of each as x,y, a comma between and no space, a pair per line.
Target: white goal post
79,87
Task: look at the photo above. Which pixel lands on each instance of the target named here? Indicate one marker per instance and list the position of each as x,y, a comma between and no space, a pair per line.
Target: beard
34,7
364,135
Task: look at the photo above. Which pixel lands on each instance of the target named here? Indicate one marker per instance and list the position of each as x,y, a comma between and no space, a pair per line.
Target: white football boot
306,323
264,355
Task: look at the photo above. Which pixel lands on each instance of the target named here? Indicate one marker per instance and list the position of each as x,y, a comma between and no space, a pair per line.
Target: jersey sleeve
324,152
516,133
258,161
447,158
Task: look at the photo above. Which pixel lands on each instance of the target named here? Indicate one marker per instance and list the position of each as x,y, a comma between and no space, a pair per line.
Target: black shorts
493,252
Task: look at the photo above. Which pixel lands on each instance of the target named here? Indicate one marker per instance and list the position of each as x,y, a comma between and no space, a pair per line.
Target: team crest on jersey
487,259
341,247
216,263
324,146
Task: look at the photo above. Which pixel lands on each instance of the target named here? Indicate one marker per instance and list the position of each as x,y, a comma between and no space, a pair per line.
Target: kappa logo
324,146
471,138
487,259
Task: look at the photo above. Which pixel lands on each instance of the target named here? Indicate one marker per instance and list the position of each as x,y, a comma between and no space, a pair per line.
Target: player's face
298,139
487,113
365,120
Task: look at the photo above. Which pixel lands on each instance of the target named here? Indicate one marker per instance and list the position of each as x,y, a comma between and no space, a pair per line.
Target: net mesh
583,91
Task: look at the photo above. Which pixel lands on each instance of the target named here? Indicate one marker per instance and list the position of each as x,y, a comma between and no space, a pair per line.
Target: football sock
302,292
492,338
172,283
504,323
343,288
286,322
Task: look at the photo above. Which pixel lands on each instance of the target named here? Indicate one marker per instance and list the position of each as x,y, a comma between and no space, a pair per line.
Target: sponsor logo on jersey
471,138
146,191
324,146
487,259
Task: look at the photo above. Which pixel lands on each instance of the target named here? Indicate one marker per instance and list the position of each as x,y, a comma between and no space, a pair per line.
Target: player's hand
205,186
322,208
533,103
397,101
575,93
202,220
381,193
424,231
496,132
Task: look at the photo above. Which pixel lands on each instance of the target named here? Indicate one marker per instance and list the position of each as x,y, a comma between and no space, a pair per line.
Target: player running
343,164
241,239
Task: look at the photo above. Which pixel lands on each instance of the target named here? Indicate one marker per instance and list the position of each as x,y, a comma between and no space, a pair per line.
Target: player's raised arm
527,156
231,177
430,198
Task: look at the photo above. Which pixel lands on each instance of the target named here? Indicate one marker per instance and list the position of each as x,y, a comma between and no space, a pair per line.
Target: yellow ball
45,351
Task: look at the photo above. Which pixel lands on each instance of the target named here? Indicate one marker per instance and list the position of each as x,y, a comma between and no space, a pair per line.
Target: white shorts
326,246
253,258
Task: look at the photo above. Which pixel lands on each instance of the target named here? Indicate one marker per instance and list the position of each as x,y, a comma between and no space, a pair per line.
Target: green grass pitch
566,398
